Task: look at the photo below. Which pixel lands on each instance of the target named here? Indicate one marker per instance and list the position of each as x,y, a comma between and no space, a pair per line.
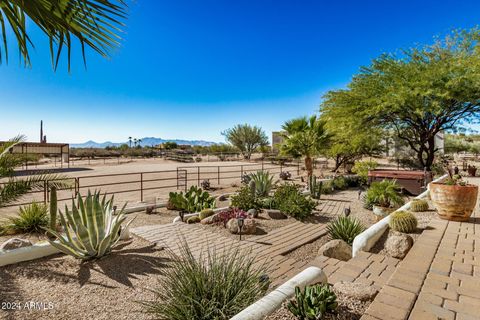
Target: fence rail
141,185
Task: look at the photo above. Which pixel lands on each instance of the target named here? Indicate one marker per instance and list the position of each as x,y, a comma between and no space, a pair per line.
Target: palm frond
94,23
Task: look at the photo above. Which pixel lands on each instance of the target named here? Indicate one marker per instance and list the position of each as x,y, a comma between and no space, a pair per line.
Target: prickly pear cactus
403,221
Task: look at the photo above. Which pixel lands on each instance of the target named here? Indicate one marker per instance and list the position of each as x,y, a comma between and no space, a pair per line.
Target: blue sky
191,69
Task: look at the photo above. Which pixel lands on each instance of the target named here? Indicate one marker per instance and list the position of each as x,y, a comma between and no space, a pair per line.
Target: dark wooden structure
413,182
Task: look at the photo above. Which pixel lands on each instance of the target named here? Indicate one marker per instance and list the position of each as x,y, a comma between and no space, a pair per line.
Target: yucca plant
212,286
263,183
345,228
91,227
313,302
31,218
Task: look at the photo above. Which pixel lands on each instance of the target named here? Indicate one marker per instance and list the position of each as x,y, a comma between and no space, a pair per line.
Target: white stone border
367,239
273,301
188,215
38,250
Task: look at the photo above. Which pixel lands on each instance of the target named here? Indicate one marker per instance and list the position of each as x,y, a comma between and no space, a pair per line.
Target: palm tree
94,23
304,137
12,189
135,142
138,142
130,141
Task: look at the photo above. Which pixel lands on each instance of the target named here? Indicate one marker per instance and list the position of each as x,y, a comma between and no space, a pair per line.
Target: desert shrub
245,199
313,302
194,219
205,213
339,183
205,184
194,200
290,200
263,181
327,187
215,286
353,181
419,205
267,203
403,221
384,194
285,175
31,218
345,228
361,168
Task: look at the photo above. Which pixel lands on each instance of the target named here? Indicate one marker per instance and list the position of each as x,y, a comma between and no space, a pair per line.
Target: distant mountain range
146,142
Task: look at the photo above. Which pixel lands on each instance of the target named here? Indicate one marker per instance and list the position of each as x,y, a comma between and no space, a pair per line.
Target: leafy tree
13,189
419,93
246,138
94,23
305,137
169,145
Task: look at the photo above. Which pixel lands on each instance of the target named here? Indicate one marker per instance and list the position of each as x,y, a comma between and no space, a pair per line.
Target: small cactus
205,213
53,208
314,187
403,221
419,205
194,219
253,186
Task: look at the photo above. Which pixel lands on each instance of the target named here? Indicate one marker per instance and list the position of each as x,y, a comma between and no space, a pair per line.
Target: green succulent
194,219
315,187
313,302
403,221
31,218
419,205
91,227
205,213
245,199
289,199
194,200
263,183
385,193
345,228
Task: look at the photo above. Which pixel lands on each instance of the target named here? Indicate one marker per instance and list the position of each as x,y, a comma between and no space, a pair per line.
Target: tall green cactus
53,208
315,187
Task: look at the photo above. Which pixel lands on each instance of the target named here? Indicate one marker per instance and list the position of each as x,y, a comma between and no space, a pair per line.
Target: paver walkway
439,278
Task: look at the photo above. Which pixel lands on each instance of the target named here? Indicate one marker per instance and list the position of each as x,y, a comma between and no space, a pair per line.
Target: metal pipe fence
141,184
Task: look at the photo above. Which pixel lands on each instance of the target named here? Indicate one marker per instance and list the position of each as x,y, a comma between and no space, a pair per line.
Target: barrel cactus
419,205
205,213
194,219
403,221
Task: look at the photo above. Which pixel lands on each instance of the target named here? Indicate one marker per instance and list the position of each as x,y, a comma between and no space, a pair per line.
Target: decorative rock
276,214
210,220
249,226
358,291
15,243
253,213
337,249
398,245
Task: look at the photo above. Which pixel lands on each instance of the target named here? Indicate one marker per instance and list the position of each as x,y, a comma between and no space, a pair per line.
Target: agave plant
91,227
263,183
313,302
345,228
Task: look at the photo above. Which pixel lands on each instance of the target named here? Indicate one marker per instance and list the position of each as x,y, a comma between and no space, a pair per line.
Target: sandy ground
64,288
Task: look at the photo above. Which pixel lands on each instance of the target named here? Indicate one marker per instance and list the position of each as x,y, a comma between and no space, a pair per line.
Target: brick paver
438,279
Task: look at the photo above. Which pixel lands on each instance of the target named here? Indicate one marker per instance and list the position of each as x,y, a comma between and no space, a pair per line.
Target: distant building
277,139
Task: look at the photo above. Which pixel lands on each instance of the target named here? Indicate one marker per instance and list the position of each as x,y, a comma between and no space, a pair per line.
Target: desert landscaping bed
108,288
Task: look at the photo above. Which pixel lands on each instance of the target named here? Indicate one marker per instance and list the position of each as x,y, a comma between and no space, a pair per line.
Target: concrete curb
38,250
367,239
273,301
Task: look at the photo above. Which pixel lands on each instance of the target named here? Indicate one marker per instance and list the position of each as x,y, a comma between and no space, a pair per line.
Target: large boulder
357,291
337,249
249,226
398,245
276,214
15,243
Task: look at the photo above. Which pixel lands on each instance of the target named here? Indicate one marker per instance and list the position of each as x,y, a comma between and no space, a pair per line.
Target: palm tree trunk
309,165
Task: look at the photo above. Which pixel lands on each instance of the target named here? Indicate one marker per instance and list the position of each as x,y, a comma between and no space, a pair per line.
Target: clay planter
454,202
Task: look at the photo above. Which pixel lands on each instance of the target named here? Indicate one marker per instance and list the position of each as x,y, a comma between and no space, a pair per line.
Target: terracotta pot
454,202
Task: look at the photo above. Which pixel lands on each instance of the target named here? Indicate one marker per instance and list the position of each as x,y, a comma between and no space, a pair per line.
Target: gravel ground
103,289
309,251
348,309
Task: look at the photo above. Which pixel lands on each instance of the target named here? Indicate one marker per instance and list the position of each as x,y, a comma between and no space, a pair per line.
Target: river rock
253,213
357,291
15,243
276,214
249,226
398,245
210,220
337,249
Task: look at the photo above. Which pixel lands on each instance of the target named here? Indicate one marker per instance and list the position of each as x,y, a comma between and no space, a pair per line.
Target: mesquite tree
419,93
246,138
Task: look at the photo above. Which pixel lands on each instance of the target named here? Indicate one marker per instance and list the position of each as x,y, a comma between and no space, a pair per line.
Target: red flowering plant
231,213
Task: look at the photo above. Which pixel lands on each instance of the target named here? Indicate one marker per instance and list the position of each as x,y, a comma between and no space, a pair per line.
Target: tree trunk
309,165
339,160
430,153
